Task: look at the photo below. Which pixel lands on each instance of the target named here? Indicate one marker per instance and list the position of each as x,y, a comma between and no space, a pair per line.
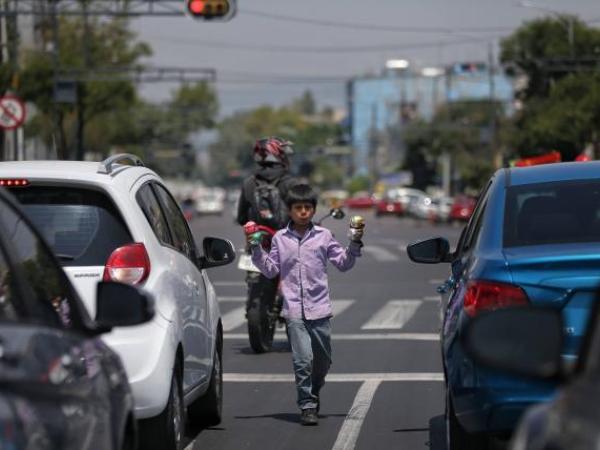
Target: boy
299,255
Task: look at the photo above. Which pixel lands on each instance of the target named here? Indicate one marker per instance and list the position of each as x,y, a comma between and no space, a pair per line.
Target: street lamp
570,26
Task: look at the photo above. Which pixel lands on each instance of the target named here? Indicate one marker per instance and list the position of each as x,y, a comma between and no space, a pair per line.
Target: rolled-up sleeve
340,257
268,264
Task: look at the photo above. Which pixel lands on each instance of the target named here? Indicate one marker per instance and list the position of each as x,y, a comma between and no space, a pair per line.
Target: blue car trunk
563,276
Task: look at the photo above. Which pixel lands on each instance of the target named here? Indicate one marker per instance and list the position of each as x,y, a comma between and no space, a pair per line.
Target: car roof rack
106,166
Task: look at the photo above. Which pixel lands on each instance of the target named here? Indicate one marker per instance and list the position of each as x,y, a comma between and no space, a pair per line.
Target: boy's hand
356,234
253,236
254,239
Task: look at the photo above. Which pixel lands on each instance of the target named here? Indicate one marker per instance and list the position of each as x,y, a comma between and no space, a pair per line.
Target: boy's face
302,213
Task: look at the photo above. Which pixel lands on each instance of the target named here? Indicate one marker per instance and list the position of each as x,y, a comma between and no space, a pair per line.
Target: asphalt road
385,387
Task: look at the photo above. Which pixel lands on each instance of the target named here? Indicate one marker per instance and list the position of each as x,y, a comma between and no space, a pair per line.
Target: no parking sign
12,112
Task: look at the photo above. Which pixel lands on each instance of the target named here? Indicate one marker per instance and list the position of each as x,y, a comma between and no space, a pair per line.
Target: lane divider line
356,337
348,435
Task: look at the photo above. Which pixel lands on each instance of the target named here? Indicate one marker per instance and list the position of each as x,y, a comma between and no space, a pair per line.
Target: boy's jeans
311,353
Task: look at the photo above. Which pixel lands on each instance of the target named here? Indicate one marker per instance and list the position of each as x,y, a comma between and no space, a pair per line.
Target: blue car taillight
489,295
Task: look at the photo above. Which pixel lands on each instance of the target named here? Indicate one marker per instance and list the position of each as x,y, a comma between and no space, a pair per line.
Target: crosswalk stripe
432,298
356,336
224,298
235,377
228,283
234,318
380,254
339,306
393,315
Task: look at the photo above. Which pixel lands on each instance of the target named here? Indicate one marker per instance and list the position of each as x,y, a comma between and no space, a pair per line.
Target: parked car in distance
389,206
533,239
462,208
61,386
210,201
408,197
360,200
116,220
506,340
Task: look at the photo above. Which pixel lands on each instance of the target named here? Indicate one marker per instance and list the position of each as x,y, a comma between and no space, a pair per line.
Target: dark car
61,387
505,340
533,239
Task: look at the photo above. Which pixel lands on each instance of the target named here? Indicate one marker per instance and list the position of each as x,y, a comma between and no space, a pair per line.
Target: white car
118,222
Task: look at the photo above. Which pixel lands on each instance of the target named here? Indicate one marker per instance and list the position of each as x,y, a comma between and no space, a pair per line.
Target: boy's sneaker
309,417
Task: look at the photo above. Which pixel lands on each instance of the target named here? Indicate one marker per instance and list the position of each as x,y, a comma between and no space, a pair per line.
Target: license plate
245,263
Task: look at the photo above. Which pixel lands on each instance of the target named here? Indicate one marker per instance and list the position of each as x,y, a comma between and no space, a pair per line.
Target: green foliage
534,46
561,100
456,130
238,133
358,183
102,44
195,105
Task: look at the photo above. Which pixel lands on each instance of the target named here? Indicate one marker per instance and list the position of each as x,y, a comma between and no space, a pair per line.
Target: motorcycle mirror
337,213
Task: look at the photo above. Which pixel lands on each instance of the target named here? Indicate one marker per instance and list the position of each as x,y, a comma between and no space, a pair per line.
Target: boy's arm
268,264
340,257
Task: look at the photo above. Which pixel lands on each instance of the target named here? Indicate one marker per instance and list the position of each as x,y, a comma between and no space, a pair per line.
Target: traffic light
221,10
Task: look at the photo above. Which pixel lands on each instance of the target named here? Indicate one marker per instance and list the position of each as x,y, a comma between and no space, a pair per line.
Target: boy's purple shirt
302,266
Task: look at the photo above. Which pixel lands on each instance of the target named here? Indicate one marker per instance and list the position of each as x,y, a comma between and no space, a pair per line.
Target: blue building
399,96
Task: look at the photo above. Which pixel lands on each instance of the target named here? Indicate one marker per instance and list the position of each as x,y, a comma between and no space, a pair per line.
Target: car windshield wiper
65,257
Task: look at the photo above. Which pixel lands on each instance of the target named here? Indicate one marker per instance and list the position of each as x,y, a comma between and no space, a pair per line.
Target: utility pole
496,150
80,137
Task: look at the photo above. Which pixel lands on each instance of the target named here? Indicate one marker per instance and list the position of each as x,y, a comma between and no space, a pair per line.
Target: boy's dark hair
301,193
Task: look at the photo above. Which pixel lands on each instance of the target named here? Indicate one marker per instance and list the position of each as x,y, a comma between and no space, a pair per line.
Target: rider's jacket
301,263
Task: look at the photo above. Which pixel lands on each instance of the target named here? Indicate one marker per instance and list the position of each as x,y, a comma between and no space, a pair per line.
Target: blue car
533,239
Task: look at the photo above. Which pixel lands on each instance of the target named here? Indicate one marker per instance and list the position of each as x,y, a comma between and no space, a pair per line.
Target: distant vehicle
209,201
389,205
360,200
408,197
61,386
533,239
506,340
462,208
116,221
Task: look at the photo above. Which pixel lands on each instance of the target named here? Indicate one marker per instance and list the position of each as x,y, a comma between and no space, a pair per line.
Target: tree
306,104
541,51
560,100
195,106
99,44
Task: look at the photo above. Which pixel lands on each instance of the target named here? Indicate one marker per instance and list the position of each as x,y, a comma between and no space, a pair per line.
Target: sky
274,50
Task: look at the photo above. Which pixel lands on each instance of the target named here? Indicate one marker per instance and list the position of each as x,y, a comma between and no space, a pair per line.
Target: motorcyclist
272,157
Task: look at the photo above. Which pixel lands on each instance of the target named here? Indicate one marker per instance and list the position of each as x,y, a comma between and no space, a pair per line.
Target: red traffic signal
211,9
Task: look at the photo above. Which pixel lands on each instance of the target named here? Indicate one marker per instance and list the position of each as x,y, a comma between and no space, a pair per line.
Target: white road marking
437,281
380,254
432,298
223,298
234,318
393,315
350,430
356,337
229,283
234,377
339,306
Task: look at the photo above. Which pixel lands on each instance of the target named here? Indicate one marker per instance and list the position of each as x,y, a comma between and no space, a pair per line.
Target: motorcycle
264,302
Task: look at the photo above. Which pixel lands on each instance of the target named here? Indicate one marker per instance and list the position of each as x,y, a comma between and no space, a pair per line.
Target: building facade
397,97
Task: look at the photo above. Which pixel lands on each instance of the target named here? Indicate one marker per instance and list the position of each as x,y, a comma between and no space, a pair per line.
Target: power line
371,26
320,49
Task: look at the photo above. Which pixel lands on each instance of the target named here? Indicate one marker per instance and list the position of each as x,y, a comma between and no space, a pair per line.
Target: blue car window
552,213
